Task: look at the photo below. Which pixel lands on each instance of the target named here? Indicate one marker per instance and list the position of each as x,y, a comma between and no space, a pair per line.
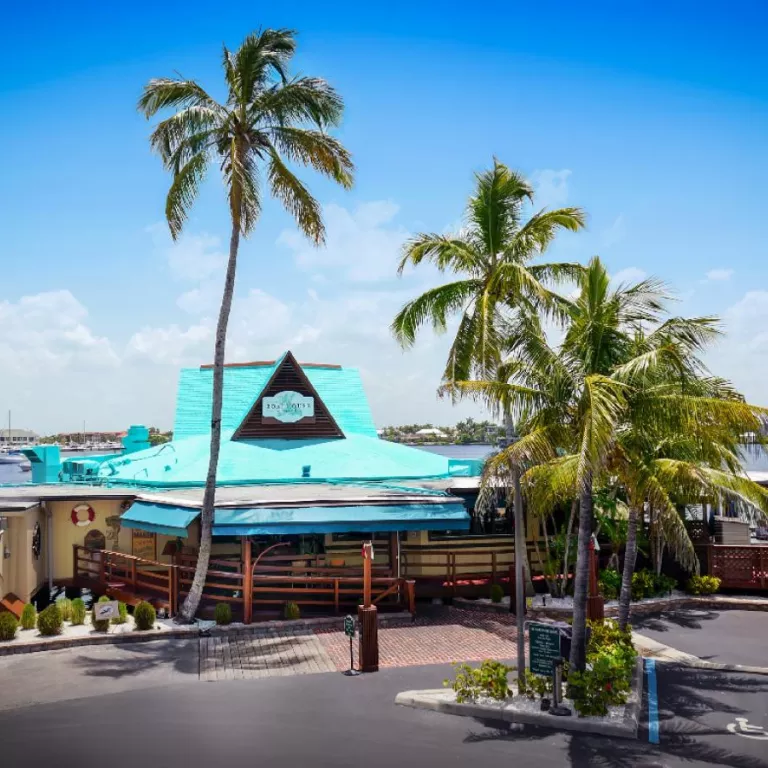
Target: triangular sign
288,408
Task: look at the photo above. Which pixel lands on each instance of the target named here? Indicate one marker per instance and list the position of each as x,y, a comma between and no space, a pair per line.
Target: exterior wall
66,533
21,573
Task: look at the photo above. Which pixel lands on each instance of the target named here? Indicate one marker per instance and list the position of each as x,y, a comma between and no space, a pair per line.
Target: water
754,458
11,473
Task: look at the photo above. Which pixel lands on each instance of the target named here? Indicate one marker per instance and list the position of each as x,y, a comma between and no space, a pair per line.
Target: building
16,437
303,480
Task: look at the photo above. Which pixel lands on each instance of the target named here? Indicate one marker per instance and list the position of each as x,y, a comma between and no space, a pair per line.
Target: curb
646,606
440,700
62,643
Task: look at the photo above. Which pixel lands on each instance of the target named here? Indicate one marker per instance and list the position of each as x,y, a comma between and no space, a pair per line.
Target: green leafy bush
649,584
291,611
79,612
8,625
144,616
28,616
49,621
490,680
122,617
223,613
607,679
65,606
643,585
531,685
703,585
610,584
497,593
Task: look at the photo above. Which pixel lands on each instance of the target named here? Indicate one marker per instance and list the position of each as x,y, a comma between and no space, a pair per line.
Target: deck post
336,595
247,581
74,563
493,567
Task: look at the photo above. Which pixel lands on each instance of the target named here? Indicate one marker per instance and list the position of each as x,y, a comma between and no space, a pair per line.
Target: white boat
11,457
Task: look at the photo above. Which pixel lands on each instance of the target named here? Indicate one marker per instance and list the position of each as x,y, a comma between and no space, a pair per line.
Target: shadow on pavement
686,619
182,656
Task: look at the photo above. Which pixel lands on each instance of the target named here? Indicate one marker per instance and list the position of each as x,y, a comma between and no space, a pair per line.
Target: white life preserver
85,509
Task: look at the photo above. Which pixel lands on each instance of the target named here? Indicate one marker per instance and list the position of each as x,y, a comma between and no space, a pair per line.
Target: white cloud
615,233
742,356
47,333
172,345
361,245
719,275
551,187
628,276
192,257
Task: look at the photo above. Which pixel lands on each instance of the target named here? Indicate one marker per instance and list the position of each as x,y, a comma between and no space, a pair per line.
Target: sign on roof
287,407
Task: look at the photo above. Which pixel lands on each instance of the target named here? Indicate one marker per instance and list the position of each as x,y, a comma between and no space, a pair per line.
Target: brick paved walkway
245,655
450,635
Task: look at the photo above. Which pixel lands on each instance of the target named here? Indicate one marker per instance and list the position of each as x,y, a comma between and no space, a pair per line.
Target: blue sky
650,116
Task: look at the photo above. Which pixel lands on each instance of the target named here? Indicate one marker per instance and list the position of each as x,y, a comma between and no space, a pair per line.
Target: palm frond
183,191
261,55
163,93
432,306
317,150
541,229
300,100
446,253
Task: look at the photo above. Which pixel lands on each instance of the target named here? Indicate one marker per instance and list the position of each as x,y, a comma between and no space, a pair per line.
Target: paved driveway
727,637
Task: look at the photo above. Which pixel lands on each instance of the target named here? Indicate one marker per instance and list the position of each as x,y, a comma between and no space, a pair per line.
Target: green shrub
99,626
703,585
610,584
78,612
28,616
490,680
223,613
643,585
665,584
531,685
497,593
8,625
144,616
49,621
122,616
291,611
607,679
65,606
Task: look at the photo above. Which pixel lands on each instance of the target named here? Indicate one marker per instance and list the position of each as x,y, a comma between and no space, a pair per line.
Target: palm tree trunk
519,572
189,609
630,556
571,518
578,658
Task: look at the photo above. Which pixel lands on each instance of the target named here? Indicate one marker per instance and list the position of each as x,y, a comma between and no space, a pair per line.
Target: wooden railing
455,565
274,582
122,574
739,566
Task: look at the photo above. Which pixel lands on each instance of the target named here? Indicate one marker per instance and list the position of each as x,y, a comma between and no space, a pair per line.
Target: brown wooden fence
273,582
739,566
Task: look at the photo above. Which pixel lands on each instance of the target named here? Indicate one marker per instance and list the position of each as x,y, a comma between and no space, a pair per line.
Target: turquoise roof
360,455
339,388
357,457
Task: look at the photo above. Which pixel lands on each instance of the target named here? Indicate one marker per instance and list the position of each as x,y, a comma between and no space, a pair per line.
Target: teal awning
265,521
159,518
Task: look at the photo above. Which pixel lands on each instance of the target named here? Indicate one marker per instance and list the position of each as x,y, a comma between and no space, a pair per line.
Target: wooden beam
247,581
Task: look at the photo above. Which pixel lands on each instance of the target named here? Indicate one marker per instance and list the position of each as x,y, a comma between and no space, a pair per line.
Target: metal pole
519,574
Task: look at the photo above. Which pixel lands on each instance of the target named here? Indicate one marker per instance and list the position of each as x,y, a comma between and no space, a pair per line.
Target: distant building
17,436
431,432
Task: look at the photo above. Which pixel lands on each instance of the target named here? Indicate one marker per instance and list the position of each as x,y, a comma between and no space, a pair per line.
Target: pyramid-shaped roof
339,388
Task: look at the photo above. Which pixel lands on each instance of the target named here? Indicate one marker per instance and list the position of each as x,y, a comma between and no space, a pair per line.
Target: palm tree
267,121
491,257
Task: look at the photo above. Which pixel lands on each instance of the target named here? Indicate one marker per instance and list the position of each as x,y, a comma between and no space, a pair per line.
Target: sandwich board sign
106,610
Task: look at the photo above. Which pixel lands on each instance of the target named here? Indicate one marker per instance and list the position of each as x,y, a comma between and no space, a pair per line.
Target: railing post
493,567
75,571
410,587
247,582
453,573
102,564
336,595
133,574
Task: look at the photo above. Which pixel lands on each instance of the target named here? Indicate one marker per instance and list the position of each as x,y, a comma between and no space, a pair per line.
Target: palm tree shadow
686,619
181,656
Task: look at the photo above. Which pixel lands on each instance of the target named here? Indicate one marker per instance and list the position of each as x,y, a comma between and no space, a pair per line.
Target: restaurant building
303,479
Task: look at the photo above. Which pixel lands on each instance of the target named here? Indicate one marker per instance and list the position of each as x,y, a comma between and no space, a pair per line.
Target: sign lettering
543,647
287,407
349,626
